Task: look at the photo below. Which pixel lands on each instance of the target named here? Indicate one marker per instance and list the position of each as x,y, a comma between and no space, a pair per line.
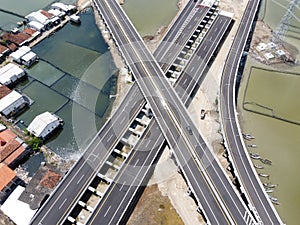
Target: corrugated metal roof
29,56
10,99
40,122
20,52
10,74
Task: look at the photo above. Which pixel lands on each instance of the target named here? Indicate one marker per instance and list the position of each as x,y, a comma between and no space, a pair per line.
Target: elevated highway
251,186
114,206
177,127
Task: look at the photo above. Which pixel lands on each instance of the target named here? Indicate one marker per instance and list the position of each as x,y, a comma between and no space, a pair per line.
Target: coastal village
18,191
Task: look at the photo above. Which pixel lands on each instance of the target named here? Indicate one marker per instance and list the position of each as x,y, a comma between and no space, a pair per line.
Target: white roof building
38,17
280,53
269,56
17,55
57,12
12,103
36,25
271,45
29,58
261,47
44,124
62,7
12,205
10,73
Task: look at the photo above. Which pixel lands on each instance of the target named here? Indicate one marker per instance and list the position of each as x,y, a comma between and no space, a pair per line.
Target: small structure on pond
44,124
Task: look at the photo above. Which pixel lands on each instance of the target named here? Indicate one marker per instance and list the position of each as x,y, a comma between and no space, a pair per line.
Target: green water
147,16
274,117
45,73
74,78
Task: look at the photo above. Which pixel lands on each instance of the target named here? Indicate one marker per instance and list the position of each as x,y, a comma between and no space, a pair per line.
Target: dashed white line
107,211
122,185
111,136
148,143
80,179
136,162
61,205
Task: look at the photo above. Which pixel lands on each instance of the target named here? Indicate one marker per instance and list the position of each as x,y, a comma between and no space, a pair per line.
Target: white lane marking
122,119
149,141
193,69
111,136
184,81
137,161
80,179
204,47
107,211
122,185
61,205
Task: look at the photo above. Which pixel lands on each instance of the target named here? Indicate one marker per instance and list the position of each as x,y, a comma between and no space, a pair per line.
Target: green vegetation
34,143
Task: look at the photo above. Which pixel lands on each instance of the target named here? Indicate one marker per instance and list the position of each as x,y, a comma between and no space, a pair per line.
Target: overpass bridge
250,184
189,147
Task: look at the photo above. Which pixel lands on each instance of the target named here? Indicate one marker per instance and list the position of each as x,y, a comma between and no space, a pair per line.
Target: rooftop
40,122
29,56
37,16
6,175
39,186
18,38
13,205
15,155
12,47
20,52
3,49
47,14
9,99
4,91
7,135
10,73
29,31
8,149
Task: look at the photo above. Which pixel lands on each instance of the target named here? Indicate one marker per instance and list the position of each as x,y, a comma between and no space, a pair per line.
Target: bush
34,143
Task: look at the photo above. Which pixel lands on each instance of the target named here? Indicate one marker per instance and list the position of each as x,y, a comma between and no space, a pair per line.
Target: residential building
10,74
13,204
44,124
8,181
12,149
12,104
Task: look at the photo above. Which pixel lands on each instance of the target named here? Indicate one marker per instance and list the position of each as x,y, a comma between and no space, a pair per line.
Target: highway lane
61,200
66,194
113,208
172,126
190,77
171,46
245,171
133,175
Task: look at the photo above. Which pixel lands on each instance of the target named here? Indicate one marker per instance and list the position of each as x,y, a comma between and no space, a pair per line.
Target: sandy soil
264,34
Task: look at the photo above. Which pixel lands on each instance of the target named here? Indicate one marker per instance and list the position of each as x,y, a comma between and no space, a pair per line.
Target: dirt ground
153,208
